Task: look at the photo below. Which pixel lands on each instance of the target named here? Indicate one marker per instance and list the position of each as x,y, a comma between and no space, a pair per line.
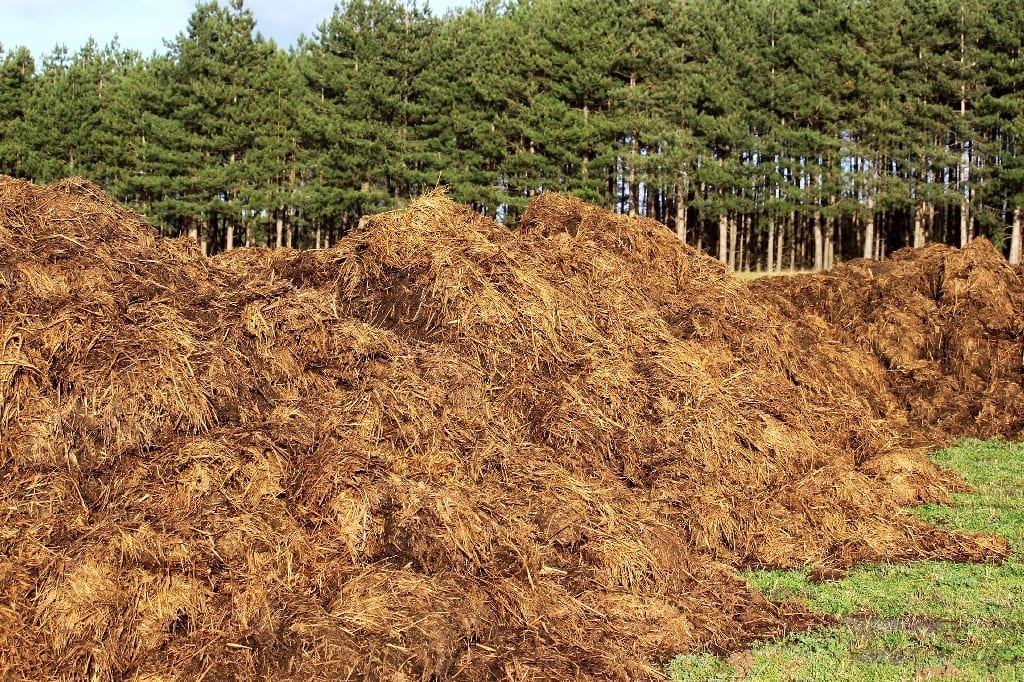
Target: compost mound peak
438,449
947,325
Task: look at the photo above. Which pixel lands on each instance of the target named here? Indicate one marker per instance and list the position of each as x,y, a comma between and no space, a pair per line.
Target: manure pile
946,324
440,449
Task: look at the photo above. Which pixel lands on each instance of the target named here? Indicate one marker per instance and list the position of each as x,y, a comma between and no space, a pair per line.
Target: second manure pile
946,324
438,449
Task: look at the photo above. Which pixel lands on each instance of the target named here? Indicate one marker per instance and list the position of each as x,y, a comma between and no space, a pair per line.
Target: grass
927,620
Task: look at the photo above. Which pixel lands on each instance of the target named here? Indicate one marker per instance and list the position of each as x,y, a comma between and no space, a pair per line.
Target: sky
144,25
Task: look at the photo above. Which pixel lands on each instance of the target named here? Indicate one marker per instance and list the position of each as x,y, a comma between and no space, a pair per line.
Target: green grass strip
927,620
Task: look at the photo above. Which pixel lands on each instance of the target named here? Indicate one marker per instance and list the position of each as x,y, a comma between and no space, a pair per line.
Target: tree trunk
634,155
681,210
829,246
632,191
801,241
819,242
792,242
770,251
931,230
965,188
732,242
584,170
869,229
833,233
1015,236
280,226
291,194
965,212
919,237
741,244
229,236
723,238
750,247
780,242
212,231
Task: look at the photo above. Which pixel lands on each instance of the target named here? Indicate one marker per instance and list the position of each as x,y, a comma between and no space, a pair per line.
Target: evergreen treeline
772,133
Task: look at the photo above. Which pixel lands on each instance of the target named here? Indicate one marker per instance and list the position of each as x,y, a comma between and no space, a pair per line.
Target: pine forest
772,134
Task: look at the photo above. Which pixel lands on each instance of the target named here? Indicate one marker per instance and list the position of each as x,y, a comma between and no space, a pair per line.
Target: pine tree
465,125
577,45
999,120
64,119
16,82
821,128
277,159
362,68
217,68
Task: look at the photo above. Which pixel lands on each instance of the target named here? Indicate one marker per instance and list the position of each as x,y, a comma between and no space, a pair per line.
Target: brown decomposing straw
947,324
440,449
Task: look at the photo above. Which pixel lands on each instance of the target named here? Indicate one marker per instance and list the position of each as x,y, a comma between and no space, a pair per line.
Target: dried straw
440,449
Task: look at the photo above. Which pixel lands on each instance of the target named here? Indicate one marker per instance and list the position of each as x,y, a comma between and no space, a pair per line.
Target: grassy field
928,620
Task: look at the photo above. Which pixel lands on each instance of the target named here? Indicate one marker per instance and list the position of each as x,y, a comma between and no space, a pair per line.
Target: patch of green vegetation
926,620
701,667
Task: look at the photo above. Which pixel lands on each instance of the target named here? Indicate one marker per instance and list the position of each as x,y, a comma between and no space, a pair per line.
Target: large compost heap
946,324
439,449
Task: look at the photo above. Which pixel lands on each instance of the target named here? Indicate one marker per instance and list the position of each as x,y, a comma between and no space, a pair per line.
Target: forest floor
926,620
